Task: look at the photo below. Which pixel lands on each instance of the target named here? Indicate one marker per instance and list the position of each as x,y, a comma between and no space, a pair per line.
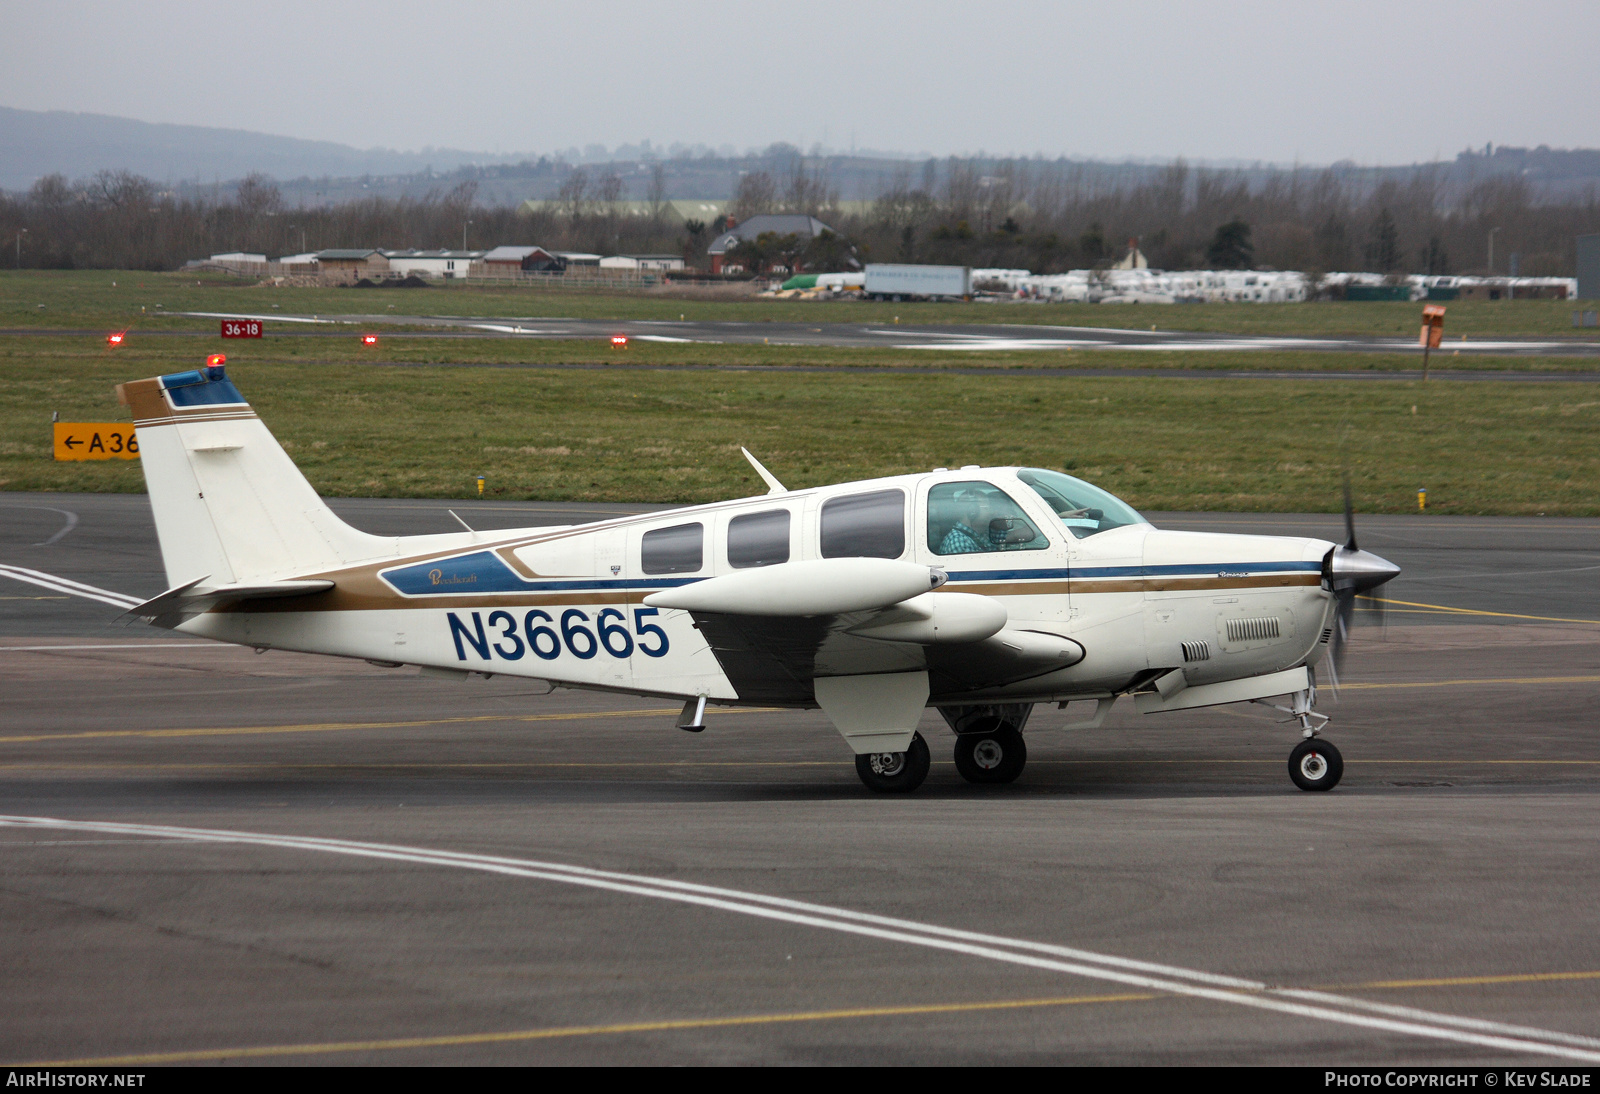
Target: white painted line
658,338
1191,983
271,316
124,646
1448,1019
66,585
72,521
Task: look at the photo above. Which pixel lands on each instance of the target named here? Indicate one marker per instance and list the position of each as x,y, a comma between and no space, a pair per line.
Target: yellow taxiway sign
96,441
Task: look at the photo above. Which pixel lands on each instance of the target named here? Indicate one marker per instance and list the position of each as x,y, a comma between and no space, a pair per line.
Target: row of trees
1051,220
1042,216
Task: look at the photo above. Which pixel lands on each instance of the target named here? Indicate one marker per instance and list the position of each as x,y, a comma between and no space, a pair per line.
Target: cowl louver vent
1252,630
1196,651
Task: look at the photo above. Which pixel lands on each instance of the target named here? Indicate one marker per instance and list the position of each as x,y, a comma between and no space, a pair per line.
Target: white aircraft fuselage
568,605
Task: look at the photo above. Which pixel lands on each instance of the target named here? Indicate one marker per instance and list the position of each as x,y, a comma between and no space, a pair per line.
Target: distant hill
191,158
38,142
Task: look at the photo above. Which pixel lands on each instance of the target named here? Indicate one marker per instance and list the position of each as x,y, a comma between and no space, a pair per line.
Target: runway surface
949,337
566,878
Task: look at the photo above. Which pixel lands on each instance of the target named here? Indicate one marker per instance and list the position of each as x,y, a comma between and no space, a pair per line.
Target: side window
676,550
972,517
758,539
865,525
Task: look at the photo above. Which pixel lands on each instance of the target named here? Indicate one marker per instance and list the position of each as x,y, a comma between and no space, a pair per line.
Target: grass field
423,415
114,299
648,435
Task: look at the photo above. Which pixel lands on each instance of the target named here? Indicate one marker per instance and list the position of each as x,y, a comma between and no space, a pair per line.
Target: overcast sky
1377,82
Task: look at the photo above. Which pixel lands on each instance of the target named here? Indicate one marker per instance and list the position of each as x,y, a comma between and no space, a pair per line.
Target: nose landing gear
1314,764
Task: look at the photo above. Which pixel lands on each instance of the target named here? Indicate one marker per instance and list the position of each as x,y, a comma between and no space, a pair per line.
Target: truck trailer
890,281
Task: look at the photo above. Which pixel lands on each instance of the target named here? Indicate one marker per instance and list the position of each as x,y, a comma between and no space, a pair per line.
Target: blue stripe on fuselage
485,572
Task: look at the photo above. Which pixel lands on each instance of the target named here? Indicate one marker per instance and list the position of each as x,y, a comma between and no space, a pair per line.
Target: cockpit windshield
1083,509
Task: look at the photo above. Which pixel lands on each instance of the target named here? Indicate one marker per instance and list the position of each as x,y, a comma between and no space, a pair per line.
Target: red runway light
620,341
369,339
114,339
216,360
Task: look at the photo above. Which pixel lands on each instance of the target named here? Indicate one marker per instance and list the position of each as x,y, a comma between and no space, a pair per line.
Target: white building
433,264
642,263
298,264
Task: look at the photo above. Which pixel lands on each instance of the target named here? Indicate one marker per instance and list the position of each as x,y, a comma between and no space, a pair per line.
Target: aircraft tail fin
230,506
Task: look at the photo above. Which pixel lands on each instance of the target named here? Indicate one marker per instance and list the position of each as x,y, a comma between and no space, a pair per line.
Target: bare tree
573,196
657,193
756,194
257,195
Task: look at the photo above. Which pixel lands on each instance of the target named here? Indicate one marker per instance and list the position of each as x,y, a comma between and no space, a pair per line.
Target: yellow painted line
553,1033
1459,981
1472,683
1134,761
381,766
1473,611
622,1028
328,727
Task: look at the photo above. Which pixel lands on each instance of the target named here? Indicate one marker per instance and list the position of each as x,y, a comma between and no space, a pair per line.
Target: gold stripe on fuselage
364,591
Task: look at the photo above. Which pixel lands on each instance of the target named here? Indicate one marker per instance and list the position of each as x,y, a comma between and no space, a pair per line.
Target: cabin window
865,525
972,517
758,539
676,550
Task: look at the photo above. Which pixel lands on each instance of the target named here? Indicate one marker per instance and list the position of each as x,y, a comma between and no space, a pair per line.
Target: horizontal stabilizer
175,605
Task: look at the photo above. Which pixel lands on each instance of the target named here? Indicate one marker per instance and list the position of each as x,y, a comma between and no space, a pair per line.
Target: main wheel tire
1315,765
992,756
895,772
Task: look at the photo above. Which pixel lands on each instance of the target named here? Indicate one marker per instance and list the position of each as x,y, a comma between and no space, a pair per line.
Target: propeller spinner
1349,572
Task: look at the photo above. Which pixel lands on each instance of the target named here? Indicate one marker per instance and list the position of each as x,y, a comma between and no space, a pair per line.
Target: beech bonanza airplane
979,591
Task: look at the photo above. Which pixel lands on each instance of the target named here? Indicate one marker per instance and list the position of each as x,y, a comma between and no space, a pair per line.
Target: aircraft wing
776,629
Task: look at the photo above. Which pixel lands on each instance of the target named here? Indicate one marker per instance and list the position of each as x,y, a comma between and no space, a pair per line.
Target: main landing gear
1314,764
995,754
895,772
989,745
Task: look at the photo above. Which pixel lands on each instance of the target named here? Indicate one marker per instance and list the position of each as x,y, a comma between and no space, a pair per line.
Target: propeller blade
1346,600
1349,517
1376,608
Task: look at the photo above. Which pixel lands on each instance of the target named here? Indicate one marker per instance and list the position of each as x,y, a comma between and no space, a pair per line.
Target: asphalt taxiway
208,855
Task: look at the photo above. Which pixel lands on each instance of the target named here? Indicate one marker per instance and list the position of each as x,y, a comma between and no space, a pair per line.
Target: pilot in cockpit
980,526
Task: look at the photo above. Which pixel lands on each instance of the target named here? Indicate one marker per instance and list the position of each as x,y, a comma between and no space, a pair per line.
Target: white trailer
904,282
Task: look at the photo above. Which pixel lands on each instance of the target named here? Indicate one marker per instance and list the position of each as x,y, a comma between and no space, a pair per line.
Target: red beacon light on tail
216,360
619,341
369,339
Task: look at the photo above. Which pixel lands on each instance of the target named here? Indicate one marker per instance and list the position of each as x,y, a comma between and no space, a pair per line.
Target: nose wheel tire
992,756
1315,765
895,772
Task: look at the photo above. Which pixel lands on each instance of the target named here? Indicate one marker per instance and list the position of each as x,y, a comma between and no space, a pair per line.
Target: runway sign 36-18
96,441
